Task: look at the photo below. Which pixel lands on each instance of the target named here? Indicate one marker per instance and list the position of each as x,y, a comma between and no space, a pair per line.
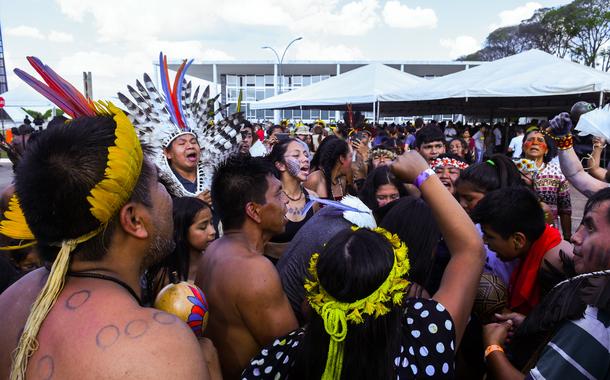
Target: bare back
96,329
248,308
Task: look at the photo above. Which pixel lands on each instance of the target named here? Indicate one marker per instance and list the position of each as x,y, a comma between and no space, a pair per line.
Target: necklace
108,278
294,199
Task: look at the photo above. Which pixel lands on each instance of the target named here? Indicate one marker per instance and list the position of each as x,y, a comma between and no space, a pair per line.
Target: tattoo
164,318
45,367
107,336
136,328
77,299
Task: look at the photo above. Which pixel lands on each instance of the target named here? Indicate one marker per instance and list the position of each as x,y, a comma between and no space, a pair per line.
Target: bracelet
423,176
565,142
492,348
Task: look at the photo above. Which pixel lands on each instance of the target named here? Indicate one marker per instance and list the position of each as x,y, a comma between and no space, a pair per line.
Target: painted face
296,160
202,231
534,147
456,148
592,240
386,194
504,248
246,140
381,160
273,212
448,175
184,153
468,195
431,150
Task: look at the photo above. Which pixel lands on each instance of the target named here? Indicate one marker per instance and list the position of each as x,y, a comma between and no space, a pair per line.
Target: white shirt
498,134
516,144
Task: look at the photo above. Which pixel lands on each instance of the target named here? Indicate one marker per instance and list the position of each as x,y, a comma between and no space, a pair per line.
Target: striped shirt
579,350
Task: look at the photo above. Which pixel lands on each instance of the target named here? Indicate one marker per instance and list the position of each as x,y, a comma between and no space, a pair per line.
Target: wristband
564,143
491,348
423,176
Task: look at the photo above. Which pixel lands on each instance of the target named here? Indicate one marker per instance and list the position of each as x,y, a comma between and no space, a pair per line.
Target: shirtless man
96,328
248,307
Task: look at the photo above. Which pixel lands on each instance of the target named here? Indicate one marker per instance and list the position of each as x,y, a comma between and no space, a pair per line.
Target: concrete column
337,113
276,83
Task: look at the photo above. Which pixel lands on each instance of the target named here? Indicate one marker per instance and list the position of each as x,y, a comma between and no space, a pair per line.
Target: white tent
23,96
530,82
364,85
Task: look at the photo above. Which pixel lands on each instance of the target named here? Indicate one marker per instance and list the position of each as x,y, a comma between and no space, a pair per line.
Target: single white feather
596,123
363,219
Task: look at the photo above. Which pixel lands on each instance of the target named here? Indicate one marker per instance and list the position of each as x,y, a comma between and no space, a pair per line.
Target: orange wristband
491,348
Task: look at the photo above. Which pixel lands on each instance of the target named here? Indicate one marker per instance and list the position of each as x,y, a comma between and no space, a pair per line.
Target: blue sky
117,40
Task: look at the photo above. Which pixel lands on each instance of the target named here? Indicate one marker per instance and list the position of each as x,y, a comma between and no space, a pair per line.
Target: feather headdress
123,166
160,117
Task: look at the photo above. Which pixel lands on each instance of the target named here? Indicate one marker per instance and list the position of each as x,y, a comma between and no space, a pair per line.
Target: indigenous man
514,227
576,314
430,142
248,307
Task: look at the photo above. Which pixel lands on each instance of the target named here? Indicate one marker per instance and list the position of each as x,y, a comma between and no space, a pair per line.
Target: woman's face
456,148
468,195
296,161
534,146
466,134
386,194
202,231
346,161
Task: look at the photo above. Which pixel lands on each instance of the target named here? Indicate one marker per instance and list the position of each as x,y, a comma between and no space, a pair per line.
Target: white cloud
353,19
25,31
56,36
516,15
460,45
397,15
309,50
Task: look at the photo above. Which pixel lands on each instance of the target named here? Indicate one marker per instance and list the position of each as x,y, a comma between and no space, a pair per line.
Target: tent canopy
529,83
362,86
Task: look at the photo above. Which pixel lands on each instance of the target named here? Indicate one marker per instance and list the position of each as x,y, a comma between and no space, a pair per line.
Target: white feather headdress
160,118
596,123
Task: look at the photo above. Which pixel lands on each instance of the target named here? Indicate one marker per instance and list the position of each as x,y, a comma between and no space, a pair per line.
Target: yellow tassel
28,344
14,224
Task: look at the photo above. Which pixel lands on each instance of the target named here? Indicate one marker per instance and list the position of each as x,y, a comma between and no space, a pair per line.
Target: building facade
258,80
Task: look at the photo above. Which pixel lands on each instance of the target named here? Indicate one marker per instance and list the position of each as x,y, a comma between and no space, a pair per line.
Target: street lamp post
279,64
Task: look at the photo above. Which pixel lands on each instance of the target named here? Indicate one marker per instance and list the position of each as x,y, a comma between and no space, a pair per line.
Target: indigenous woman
291,159
380,188
550,183
331,178
193,231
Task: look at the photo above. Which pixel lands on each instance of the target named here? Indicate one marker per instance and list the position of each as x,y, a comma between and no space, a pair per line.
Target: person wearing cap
304,134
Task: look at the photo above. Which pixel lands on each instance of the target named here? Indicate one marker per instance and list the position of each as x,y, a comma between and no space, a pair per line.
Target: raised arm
560,128
462,275
594,159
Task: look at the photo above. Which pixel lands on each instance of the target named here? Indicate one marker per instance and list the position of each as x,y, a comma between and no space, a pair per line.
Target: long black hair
374,180
179,261
351,266
495,173
326,157
279,151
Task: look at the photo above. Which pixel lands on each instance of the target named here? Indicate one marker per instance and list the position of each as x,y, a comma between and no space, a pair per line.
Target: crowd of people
352,251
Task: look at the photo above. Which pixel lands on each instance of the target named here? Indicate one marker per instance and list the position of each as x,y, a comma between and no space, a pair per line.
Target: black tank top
293,227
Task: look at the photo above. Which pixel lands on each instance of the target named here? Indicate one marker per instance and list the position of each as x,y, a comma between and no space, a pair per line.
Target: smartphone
281,137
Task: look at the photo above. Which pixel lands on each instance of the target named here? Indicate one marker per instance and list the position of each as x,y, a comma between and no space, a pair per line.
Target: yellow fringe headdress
337,314
123,167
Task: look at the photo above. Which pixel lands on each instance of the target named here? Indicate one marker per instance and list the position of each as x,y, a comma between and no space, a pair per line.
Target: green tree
588,25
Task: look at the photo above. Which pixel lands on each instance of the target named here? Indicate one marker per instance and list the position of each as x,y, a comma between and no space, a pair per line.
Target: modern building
258,80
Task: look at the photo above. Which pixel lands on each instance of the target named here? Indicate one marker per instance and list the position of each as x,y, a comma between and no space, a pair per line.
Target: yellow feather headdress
123,166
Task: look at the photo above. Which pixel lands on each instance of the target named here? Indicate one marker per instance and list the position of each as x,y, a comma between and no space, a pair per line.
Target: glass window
297,80
315,114
268,92
260,114
287,114
269,114
315,79
306,114
306,80
233,93
269,80
250,94
231,80
325,115
260,94
260,81
324,77
232,108
296,114
285,82
250,80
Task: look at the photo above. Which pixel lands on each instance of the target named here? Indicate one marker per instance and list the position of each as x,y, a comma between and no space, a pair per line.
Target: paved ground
6,173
